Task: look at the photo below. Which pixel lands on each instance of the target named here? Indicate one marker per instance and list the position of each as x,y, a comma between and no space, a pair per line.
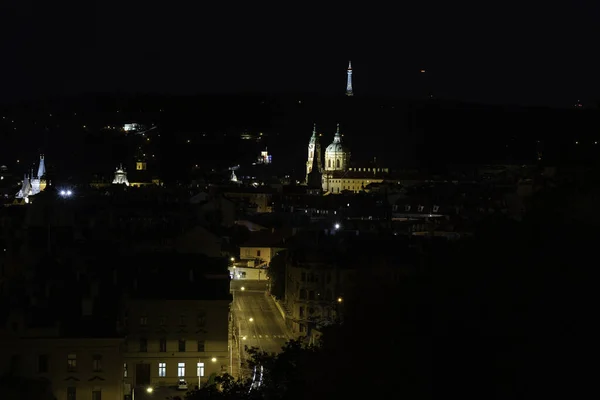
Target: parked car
182,385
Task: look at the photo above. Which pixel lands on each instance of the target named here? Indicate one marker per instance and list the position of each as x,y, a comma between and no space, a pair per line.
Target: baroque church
335,173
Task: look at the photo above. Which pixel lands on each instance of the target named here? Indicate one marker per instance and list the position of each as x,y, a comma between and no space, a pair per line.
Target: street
257,319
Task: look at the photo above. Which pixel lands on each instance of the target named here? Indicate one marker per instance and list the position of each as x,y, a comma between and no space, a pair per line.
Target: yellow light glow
214,359
340,299
244,337
149,390
232,259
251,319
243,288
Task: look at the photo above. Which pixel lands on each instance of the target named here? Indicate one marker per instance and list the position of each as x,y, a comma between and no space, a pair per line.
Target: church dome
336,146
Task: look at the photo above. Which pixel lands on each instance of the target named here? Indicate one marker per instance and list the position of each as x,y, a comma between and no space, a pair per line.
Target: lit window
181,370
72,362
162,369
125,370
200,369
97,363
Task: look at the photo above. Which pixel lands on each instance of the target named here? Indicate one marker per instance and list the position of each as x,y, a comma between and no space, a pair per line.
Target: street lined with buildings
257,321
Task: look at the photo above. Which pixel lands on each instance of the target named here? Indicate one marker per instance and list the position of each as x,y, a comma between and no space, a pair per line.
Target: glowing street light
66,193
243,288
214,359
339,300
149,389
337,226
232,259
251,319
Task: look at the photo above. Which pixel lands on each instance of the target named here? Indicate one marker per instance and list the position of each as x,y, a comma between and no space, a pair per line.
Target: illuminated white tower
314,150
349,84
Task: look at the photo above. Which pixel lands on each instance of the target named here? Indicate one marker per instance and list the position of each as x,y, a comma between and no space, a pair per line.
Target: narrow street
257,321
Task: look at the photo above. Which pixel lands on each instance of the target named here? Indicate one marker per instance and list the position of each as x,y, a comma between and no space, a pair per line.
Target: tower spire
349,82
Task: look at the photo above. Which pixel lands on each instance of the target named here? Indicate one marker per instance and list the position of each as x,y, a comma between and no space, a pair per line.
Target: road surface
257,320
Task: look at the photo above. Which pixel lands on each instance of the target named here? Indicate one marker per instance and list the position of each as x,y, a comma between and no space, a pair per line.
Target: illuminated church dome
336,155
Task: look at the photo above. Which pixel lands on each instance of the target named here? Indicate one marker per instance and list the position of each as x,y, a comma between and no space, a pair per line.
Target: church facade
337,174
33,184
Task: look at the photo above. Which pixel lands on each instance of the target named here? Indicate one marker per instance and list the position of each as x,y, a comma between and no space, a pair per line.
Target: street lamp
339,300
149,389
251,319
243,288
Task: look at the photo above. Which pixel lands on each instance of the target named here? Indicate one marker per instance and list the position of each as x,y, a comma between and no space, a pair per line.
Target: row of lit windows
162,345
162,369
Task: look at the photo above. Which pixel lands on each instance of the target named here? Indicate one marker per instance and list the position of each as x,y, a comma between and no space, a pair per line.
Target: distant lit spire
349,83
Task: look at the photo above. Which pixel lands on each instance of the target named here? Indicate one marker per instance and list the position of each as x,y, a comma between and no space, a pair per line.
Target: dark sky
494,52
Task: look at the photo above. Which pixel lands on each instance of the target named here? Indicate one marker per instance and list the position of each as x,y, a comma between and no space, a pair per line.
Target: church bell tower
314,153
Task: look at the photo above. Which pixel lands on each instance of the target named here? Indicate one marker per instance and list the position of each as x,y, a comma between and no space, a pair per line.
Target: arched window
329,163
337,163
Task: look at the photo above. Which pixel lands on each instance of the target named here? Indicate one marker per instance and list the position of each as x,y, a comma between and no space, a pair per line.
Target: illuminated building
265,157
33,184
314,151
349,83
120,177
337,175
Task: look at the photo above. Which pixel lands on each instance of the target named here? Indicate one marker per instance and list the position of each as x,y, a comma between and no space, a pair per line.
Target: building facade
81,368
168,340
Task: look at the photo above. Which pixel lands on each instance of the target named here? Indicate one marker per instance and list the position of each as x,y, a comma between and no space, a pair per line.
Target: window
143,321
42,363
311,295
301,312
143,345
72,362
96,395
162,369
303,276
200,369
162,345
97,363
201,319
162,321
181,370
125,370
337,163
71,393
182,319
181,347
257,253
302,294
200,346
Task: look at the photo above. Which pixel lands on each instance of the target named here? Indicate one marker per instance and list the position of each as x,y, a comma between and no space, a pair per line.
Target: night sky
502,53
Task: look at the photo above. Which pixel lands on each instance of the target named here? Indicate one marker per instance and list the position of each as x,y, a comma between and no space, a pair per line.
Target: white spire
42,167
349,82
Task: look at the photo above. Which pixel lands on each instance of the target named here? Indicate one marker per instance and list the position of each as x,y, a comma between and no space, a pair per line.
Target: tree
276,273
